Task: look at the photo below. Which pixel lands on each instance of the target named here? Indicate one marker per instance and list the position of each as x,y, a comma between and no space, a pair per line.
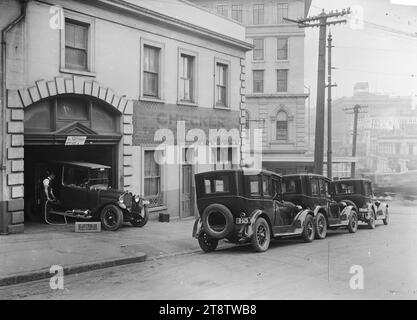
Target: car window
368,189
315,188
217,184
254,186
324,188
276,187
75,176
266,186
344,188
290,185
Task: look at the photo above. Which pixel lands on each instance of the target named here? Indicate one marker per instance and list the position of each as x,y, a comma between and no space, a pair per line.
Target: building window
222,9
282,13
282,80
258,51
258,14
258,81
282,49
76,45
221,84
152,179
247,120
282,126
237,12
151,71
186,78
411,149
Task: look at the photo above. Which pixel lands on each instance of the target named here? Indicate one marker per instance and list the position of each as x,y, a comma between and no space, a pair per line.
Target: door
332,206
74,189
187,203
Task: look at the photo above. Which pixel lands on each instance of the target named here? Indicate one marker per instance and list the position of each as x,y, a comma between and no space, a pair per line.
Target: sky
386,60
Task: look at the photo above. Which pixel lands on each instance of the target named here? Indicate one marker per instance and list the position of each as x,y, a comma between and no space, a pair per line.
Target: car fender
346,214
300,219
381,211
317,209
197,228
248,232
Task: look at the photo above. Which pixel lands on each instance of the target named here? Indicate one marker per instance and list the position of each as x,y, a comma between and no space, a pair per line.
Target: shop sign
75,140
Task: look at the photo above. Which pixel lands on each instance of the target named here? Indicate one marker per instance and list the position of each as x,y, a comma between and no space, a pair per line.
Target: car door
74,190
332,205
283,214
267,197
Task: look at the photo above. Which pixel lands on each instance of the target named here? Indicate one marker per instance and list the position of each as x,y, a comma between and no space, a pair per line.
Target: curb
78,268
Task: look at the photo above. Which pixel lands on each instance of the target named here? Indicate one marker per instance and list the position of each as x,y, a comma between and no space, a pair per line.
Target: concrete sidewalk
29,256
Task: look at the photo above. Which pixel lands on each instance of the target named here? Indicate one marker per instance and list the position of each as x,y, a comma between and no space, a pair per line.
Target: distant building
387,130
275,92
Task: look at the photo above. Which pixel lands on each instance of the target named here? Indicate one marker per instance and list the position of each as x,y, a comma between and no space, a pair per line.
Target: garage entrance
70,128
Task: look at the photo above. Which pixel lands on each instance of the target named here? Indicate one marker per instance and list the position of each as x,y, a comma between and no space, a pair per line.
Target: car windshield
291,185
346,187
99,178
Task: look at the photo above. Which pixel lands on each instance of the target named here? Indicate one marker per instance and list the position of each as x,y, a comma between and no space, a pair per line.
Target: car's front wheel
308,232
353,222
207,243
261,235
140,222
321,226
111,217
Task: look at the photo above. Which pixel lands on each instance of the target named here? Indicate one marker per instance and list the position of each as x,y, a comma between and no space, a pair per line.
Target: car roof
243,171
89,165
305,174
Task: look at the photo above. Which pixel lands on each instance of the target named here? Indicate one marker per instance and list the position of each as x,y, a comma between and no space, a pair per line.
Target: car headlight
299,208
121,198
137,198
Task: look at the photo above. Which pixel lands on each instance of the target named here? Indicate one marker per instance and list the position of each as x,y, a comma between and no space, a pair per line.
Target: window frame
263,80
258,50
227,105
280,4
286,80
194,90
160,97
255,9
90,23
276,126
225,7
239,12
160,205
287,52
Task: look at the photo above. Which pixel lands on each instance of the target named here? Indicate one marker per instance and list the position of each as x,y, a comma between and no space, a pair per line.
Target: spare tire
217,221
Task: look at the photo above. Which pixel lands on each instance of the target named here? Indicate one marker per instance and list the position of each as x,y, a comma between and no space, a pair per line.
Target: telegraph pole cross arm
322,21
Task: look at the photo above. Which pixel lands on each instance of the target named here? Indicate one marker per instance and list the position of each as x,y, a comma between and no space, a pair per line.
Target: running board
69,215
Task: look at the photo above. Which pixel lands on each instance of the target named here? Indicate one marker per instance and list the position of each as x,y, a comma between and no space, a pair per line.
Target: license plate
242,220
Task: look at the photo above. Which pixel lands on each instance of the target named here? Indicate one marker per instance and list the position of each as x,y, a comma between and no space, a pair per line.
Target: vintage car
243,206
359,194
312,191
83,192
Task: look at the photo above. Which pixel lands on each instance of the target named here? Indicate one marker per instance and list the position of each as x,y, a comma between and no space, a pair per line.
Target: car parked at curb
83,192
243,206
312,192
359,194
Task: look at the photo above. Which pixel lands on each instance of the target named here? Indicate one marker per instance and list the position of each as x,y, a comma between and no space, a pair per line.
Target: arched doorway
70,127
40,120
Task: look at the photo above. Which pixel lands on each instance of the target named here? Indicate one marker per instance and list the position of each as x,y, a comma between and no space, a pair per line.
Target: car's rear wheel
140,222
353,222
261,235
207,243
309,230
372,221
386,219
111,217
320,226
217,221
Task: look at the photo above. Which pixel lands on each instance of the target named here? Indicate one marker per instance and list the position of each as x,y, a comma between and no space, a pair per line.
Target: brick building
113,72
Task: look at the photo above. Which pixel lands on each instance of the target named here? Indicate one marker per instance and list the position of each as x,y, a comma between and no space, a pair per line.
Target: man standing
48,188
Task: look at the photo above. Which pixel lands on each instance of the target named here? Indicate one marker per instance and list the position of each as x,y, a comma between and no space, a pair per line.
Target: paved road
290,269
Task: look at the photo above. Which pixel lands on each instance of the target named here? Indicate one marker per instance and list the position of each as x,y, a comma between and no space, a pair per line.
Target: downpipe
4,31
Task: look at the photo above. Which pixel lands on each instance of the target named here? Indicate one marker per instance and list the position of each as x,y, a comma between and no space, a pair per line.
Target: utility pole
356,110
329,106
321,22
308,116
